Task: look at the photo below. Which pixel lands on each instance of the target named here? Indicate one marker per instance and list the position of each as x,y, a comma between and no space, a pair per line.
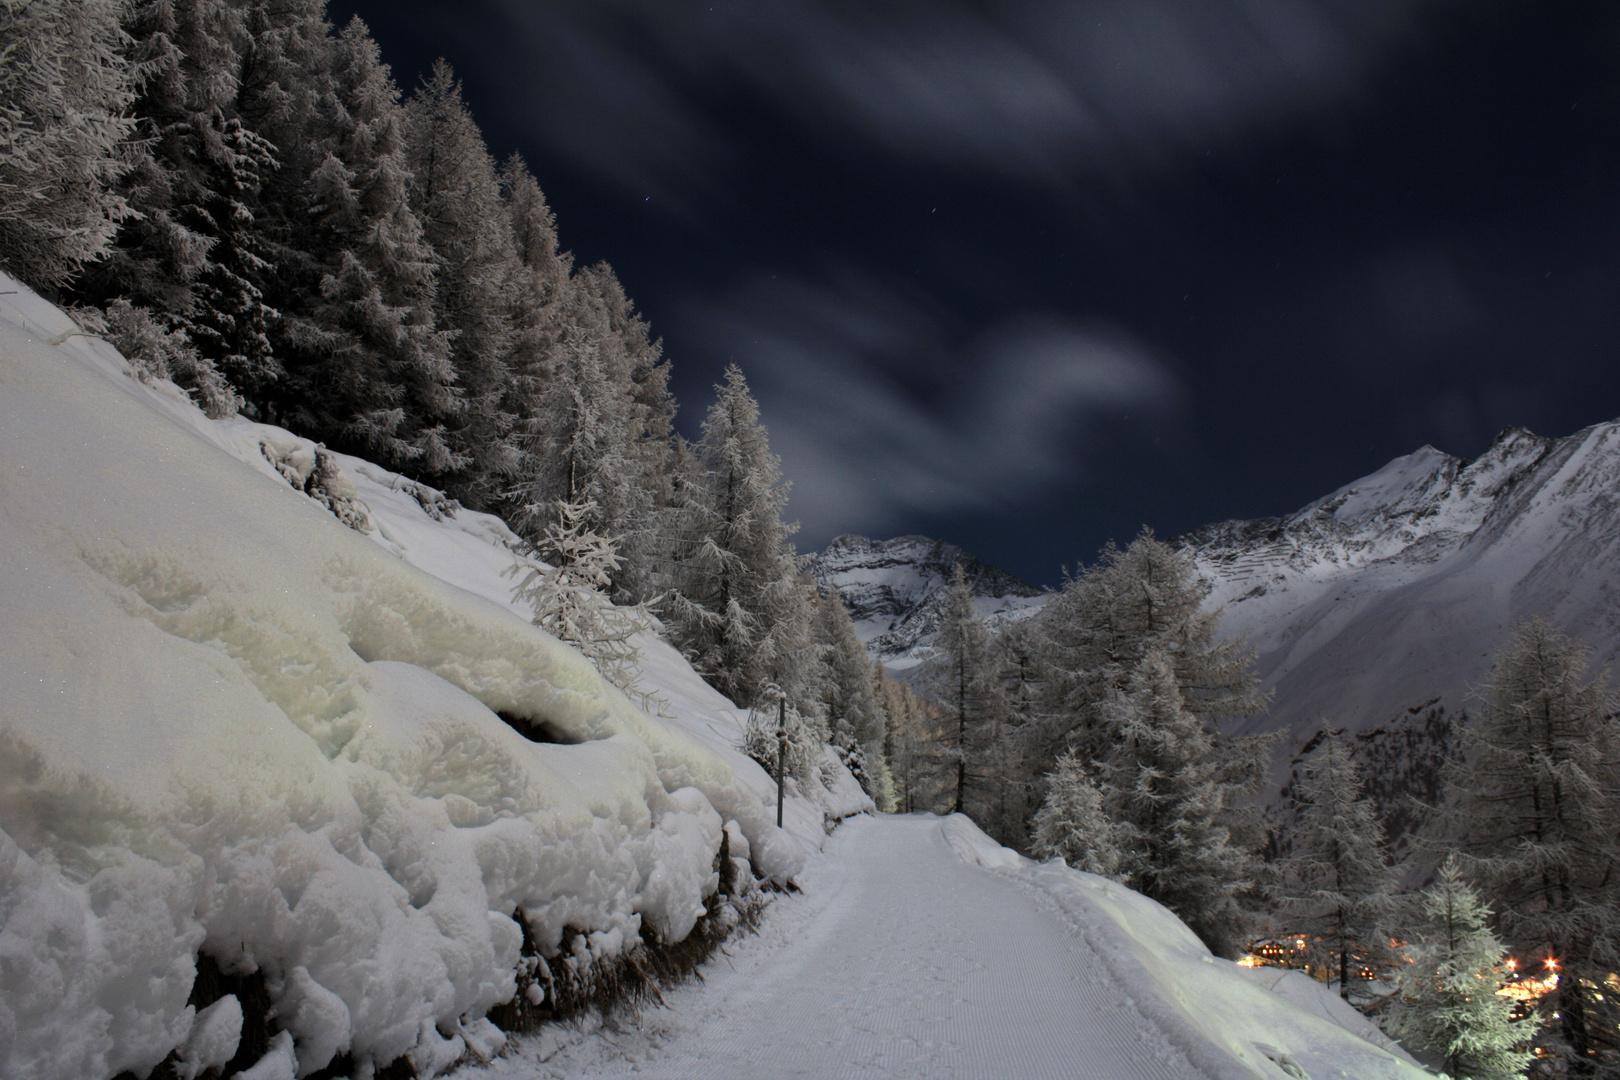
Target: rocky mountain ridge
895,590
1391,593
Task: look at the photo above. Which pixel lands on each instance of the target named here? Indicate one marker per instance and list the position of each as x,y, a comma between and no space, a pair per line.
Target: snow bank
1233,1023
230,723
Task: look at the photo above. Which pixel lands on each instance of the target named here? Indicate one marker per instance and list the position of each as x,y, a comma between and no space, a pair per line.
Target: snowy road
899,961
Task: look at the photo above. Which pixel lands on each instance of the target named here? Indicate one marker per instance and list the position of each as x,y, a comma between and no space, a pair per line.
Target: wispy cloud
881,417
1030,88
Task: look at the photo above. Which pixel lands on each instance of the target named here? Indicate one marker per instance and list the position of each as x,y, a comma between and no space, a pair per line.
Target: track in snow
899,961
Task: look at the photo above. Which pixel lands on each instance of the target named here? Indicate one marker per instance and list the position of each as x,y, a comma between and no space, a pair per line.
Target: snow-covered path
900,960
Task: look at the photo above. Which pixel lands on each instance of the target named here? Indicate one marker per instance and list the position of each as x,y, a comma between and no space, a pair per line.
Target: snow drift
1232,1022
230,723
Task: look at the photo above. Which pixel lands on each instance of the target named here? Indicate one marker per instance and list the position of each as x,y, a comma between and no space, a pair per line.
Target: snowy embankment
232,725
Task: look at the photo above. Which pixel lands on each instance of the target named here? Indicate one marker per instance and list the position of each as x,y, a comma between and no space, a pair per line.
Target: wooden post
781,753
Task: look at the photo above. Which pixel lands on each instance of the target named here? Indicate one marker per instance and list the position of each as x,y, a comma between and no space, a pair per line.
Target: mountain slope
1397,588
1388,596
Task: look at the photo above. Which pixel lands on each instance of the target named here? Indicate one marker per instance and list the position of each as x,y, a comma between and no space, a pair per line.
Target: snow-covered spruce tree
849,696
230,322
455,191
186,54
1164,785
570,600
1338,889
366,368
1448,1004
1533,808
737,610
960,677
1097,628
1072,824
66,85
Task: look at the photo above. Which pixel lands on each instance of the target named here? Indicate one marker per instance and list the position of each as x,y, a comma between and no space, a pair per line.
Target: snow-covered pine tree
455,191
1448,1004
366,367
847,693
1072,824
737,611
1164,787
230,323
960,677
66,85
570,600
1339,891
1532,804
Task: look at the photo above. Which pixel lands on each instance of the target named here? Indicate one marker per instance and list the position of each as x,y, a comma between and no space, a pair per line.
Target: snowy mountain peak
1398,587
894,589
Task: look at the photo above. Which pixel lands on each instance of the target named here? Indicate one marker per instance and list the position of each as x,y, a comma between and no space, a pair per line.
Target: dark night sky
1029,274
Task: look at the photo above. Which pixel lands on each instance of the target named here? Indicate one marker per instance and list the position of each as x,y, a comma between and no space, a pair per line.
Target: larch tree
603,315
541,329
1339,891
1448,1003
737,610
1018,648
1532,805
1096,629
66,85
961,679
1073,825
570,601
1164,787
907,742
849,696
582,450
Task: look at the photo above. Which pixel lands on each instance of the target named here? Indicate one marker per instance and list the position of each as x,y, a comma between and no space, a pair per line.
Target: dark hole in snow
258,1025
540,731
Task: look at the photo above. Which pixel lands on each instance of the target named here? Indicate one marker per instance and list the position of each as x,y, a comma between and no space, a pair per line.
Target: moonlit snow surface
230,723
921,949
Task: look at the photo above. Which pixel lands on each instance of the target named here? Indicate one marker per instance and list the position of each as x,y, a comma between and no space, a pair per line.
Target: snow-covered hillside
1396,589
231,724
895,591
